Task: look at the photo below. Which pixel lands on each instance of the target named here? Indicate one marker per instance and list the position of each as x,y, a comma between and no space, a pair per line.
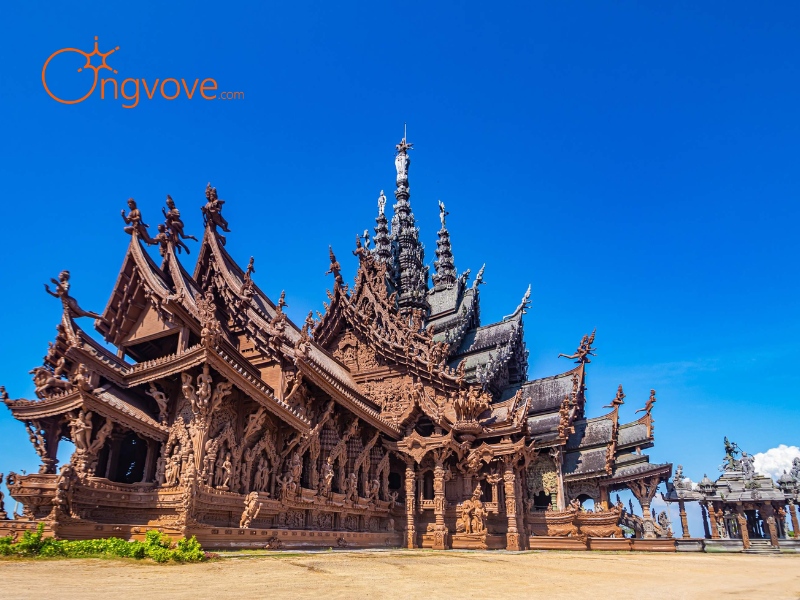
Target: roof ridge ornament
335,267
212,213
584,351
479,278
618,400
648,407
135,225
71,307
174,226
524,305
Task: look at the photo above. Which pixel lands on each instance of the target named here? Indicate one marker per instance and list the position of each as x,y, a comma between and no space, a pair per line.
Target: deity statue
212,211
81,430
584,351
175,224
731,450
402,162
161,465
70,304
161,399
262,475
795,472
251,508
296,467
374,490
224,473
748,470
326,478
287,486
442,213
134,222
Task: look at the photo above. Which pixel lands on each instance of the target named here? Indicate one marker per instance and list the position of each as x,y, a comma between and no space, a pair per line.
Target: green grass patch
156,546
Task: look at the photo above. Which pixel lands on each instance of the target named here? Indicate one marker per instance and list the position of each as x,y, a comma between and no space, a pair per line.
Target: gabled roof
139,279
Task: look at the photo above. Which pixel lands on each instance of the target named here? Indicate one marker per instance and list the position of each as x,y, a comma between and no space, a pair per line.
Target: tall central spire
407,251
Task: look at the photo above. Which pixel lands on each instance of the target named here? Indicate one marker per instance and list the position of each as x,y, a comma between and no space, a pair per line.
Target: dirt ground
412,574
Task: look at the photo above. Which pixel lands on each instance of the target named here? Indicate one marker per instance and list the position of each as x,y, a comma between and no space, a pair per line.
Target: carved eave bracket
417,446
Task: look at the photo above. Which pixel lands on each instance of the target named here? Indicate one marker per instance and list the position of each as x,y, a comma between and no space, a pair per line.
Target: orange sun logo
88,56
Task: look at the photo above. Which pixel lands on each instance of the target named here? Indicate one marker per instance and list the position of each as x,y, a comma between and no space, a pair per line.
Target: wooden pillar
604,497
441,535
793,515
742,518
704,512
684,520
149,464
557,454
113,454
411,529
183,339
509,479
713,514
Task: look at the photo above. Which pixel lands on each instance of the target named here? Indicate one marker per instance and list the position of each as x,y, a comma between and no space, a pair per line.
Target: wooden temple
396,418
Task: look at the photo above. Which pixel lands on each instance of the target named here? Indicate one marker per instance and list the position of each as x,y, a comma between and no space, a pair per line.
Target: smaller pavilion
742,510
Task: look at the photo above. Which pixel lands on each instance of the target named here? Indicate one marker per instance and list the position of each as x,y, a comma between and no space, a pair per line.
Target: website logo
130,89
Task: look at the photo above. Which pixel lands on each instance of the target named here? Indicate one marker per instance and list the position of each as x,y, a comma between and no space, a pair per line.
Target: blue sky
635,162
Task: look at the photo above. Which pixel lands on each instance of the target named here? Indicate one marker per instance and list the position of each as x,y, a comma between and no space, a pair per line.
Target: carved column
557,454
512,535
712,513
684,520
411,529
740,516
645,490
795,524
441,535
769,511
705,520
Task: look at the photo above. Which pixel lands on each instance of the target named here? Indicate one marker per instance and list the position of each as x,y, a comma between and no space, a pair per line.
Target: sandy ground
413,574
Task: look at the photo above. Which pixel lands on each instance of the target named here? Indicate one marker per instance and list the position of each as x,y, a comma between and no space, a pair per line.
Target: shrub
156,546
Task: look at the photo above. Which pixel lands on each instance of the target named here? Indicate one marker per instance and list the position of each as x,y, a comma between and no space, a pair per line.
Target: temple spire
444,264
383,246
411,276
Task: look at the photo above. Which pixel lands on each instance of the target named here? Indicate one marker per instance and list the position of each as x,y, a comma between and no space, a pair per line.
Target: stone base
724,545
229,538
690,545
478,541
790,546
543,542
610,544
654,545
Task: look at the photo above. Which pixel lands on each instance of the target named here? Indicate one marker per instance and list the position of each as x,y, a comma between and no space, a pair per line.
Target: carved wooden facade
395,418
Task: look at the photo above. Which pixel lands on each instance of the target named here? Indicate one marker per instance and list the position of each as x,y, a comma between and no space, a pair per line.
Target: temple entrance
541,501
427,486
132,457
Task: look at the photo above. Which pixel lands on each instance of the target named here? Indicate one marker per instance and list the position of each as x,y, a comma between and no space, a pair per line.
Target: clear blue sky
636,162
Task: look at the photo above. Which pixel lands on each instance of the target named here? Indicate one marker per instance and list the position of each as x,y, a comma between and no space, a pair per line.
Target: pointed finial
382,203
282,301
442,213
250,269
